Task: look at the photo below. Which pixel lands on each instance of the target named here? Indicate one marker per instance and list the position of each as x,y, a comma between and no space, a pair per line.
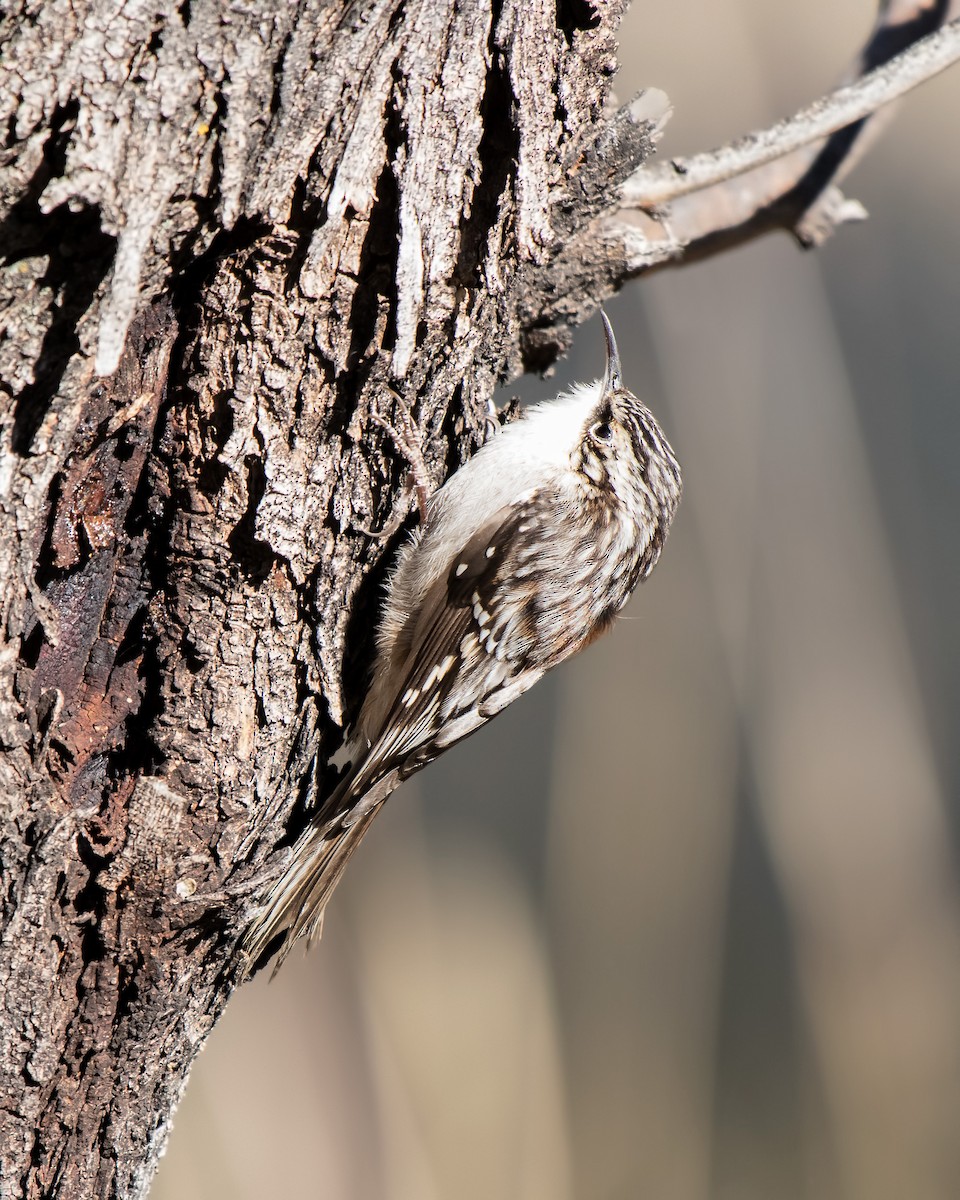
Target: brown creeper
527,554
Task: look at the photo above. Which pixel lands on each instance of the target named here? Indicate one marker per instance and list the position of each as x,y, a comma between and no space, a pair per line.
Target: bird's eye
602,432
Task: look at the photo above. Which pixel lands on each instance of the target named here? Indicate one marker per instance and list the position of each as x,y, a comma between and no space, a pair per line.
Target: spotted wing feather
473,647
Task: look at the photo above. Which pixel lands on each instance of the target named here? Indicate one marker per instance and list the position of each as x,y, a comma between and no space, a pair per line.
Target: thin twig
652,187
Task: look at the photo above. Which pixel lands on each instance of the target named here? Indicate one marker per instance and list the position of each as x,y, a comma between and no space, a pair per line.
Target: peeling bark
230,234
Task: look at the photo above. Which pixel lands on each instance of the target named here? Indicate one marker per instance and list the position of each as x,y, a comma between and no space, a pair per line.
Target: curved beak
612,379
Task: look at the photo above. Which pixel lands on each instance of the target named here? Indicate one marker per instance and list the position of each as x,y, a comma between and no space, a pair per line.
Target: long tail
296,904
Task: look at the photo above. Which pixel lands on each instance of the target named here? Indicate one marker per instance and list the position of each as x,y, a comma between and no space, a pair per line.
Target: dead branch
654,186
723,198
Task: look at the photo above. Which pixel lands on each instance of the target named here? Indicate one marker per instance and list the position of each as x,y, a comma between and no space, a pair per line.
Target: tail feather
296,904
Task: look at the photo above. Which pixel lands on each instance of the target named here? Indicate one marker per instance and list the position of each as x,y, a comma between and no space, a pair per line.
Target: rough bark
229,233
264,216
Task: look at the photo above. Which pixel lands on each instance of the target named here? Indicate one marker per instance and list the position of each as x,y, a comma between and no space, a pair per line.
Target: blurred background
684,923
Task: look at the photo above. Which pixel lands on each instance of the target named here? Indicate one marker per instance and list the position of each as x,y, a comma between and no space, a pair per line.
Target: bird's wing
475,645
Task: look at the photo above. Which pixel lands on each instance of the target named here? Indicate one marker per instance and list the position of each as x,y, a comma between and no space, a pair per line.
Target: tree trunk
230,233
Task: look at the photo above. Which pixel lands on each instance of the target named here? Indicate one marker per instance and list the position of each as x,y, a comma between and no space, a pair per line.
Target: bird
526,555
